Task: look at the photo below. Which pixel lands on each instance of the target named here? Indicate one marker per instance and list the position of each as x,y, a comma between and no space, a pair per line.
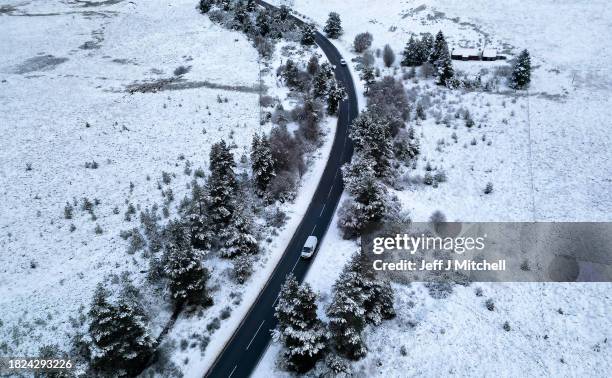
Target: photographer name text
440,265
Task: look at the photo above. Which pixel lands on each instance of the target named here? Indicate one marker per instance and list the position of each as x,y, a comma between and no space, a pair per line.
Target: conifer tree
370,196
239,238
183,267
439,49
368,76
347,317
359,298
441,59
308,35
320,84
240,13
411,54
284,12
335,94
371,135
263,22
327,70
205,6
371,204
354,173
222,185
426,45
333,27
199,224
262,163
251,5
299,329
290,73
377,295
120,341
521,72
445,71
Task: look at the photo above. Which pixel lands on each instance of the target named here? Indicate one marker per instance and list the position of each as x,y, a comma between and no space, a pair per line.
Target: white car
309,247
342,62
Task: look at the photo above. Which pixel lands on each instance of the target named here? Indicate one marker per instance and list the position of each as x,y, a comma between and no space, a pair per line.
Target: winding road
248,343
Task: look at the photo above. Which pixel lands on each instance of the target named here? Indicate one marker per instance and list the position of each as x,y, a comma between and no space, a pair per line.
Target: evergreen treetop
333,27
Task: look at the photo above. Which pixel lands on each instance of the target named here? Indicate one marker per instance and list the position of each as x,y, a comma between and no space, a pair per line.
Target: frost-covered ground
548,160
66,66
65,71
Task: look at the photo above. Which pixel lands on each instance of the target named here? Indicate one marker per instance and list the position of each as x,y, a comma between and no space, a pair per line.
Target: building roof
489,53
465,52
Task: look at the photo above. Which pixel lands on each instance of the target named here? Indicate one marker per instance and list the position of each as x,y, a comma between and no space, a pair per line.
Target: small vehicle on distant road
309,247
342,62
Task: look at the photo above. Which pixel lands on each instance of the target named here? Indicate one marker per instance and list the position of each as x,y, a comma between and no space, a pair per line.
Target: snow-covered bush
362,42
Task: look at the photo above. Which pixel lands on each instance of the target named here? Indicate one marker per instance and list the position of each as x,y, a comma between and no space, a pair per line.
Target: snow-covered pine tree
239,238
388,56
412,56
371,135
368,76
119,338
333,27
377,294
441,59
347,316
370,197
371,203
226,5
336,366
327,70
425,47
199,224
320,84
439,49
379,305
183,267
354,173
335,94
240,13
262,163
290,73
243,268
251,5
222,186
205,6
308,35
263,22
299,329
313,65
521,72
349,221
445,71
284,12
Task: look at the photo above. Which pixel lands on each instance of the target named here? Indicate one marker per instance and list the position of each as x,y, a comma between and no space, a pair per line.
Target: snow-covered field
65,71
547,154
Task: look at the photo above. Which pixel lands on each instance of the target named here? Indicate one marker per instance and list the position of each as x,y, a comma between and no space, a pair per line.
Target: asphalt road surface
248,343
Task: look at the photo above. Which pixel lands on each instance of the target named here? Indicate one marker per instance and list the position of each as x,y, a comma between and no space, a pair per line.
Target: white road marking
276,300
330,189
233,370
294,265
313,229
322,210
250,342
